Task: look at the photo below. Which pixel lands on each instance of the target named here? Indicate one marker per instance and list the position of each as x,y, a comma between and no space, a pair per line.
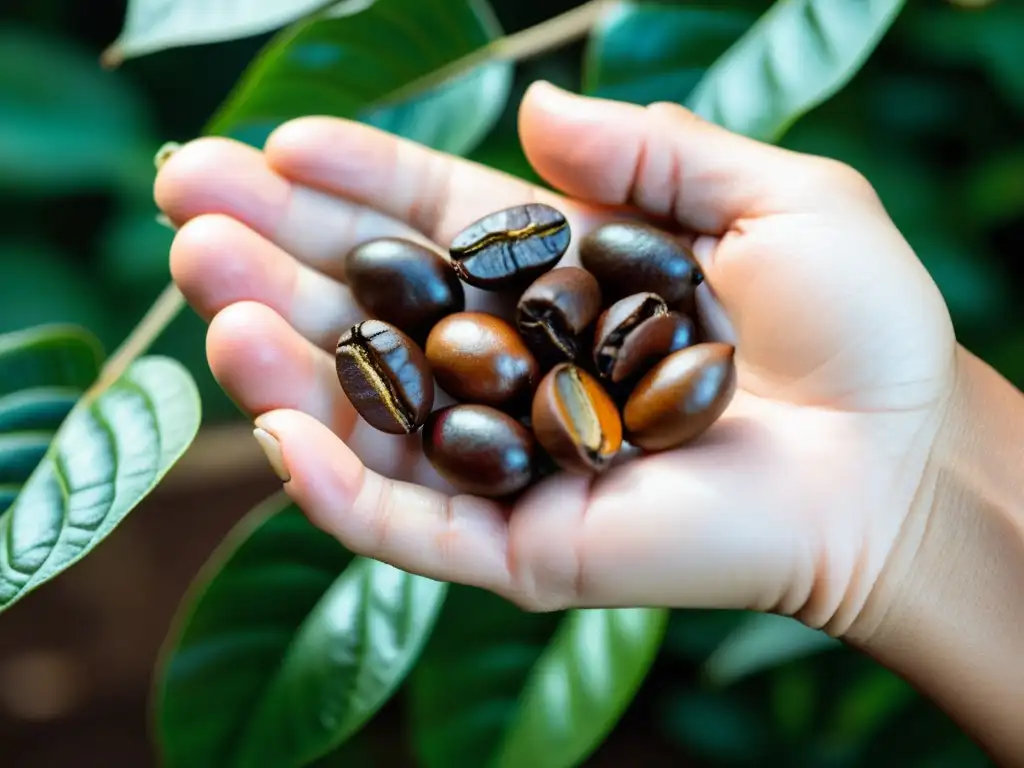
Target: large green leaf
65,124
488,691
107,453
794,57
464,692
154,25
764,641
647,52
286,646
357,67
581,686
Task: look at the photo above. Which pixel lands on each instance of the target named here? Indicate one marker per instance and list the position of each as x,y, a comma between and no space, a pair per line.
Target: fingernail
272,448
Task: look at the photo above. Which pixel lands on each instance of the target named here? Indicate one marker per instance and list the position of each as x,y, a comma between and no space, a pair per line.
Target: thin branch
541,38
167,306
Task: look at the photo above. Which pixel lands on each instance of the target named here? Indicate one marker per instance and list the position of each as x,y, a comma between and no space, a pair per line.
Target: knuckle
827,174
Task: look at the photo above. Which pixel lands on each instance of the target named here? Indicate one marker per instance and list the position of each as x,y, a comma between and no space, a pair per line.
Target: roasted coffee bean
479,449
480,358
510,248
681,397
404,283
636,330
575,420
631,257
555,310
385,376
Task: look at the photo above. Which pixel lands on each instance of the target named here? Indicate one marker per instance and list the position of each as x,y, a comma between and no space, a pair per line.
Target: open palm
793,502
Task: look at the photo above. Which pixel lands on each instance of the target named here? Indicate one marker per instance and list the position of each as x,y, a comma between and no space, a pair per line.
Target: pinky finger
459,539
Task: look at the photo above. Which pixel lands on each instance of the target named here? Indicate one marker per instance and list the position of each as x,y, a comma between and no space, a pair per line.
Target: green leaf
349,67
764,641
715,725
582,684
107,455
155,25
501,687
286,645
47,356
464,692
648,52
797,55
65,124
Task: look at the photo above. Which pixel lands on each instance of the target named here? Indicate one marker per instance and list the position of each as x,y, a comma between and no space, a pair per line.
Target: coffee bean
681,397
404,283
479,449
555,310
631,257
636,330
385,376
510,248
480,358
575,420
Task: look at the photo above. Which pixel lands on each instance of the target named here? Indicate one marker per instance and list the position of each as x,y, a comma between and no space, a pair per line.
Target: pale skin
865,478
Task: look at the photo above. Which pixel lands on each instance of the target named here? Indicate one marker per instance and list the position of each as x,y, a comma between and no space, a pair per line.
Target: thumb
667,161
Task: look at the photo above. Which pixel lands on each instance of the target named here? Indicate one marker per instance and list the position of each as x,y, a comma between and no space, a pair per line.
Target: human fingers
263,364
218,261
434,193
217,175
666,161
424,531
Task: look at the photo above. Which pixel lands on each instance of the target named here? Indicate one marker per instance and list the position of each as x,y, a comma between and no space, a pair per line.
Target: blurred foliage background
934,120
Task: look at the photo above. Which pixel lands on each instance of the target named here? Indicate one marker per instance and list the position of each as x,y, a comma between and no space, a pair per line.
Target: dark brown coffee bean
681,397
635,331
575,420
632,257
479,358
404,283
555,310
385,376
479,449
510,248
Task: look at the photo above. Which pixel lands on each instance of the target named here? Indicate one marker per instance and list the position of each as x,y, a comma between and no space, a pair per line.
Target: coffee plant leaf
74,463
285,646
761,642
582,685
791,59
156,25
394,65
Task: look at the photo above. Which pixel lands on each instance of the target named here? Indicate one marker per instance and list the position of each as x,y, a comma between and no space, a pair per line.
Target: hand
793,502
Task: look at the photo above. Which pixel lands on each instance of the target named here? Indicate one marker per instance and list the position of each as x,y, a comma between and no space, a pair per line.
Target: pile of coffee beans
594,360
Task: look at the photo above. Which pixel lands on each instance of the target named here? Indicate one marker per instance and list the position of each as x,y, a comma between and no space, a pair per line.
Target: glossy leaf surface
350,66
286,646
70,475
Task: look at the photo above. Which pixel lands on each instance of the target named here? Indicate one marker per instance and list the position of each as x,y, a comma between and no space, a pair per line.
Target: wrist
949,614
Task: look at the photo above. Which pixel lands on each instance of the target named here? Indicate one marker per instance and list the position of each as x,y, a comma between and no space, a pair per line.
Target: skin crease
865,478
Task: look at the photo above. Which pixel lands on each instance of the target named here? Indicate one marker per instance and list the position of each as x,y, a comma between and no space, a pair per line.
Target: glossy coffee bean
555,310
681,397
479,449
575,420
636,330
385,376
510,248
480,358
632,257
403,283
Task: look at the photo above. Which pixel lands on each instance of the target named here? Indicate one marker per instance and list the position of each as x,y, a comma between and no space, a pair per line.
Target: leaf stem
157,318
533,41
